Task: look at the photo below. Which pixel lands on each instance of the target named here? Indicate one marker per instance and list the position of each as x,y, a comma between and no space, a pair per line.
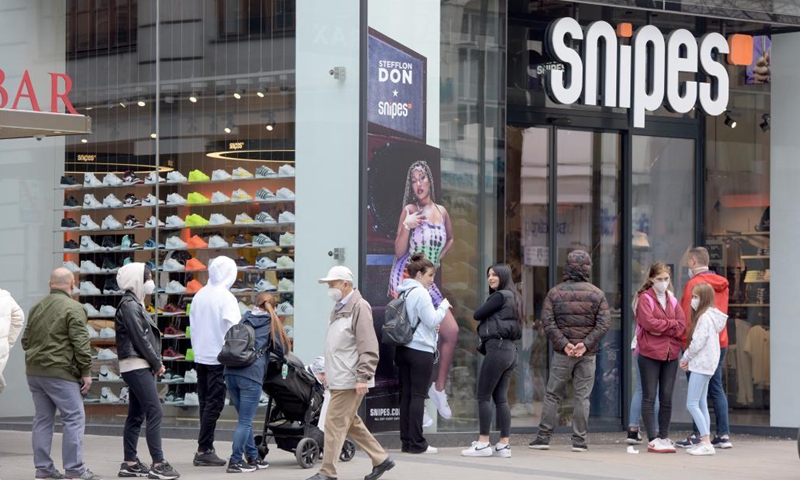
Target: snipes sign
640,74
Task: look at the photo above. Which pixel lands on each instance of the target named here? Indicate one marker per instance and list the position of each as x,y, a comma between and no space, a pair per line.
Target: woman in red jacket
662,322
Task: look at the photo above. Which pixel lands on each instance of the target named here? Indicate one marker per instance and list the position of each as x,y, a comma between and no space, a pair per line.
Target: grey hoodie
214,310
703,352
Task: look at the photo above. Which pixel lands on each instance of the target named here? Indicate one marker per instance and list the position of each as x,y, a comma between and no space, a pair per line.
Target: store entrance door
581,170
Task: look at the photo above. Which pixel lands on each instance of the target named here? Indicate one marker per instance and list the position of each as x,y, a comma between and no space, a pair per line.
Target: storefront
249,112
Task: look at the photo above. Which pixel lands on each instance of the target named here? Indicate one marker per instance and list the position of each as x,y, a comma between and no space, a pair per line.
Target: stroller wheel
348,451
307,452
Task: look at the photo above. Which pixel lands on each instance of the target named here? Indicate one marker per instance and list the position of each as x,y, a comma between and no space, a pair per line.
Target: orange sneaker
193,286
197,242
194,265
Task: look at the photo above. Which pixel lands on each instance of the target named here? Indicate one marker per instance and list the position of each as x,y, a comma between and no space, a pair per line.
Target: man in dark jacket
575,316
58,360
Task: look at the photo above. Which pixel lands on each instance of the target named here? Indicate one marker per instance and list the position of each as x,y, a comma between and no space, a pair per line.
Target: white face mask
695,303
691,273
149,287
334,294
660,287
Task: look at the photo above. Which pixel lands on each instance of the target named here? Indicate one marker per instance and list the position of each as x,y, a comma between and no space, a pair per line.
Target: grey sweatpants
49,395
563,369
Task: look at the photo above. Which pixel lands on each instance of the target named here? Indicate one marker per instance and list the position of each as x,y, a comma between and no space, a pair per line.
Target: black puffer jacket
576,311
498,318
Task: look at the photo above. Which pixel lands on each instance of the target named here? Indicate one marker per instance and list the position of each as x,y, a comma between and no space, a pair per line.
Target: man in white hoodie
213,311
11,320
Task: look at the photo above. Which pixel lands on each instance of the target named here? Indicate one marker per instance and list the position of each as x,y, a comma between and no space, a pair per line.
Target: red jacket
720,286
659,337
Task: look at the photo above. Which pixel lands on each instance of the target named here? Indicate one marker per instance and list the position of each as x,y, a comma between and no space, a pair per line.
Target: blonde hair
706,295
700,255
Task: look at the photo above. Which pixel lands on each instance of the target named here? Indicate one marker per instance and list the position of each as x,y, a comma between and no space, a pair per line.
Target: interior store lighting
729,122
141,102
193,97
238,94
153,135
84,140
270,126
229,126
261,92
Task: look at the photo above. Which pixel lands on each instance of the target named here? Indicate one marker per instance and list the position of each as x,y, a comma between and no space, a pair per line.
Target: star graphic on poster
395,93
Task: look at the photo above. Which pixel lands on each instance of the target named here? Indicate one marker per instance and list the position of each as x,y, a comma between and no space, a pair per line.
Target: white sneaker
264,285
262,240
153,178
431,451
107,375
190,377
106,354
265,172
89,180
172,265
89,202
265,195
440,400
175,243
220,175
112,202
240,195
244,219
176,177
266,263
702,450
154,222
88,266
175,287
72,266
151,201
111,180
191,400
265,218
427,421
285,194
174,221
502,450
219,197
285,263
285,285
240,173
286,217
660,446
217,242
219,219
109,223
88,224
175,199
88,288
478,449
107,311
286,171
88,245
92,332
91,311
124,395
285,308
107,396
264,400
287,239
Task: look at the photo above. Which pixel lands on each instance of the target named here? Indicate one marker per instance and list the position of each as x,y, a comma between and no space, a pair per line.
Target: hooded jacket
262,324
659,335
11,321
576,311
704,349
721,288
214,310
138,337
422,315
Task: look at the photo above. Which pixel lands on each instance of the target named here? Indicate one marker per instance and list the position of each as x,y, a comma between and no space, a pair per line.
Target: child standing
701,359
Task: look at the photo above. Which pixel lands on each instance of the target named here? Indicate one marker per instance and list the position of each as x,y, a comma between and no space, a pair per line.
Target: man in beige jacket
11,320
351,356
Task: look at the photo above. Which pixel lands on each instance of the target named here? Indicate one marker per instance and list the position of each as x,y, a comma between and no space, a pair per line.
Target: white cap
338,272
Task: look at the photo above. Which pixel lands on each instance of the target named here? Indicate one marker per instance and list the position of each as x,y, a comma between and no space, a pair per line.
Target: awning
28,124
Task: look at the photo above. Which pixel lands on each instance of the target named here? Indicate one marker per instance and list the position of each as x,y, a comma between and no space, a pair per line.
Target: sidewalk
751,459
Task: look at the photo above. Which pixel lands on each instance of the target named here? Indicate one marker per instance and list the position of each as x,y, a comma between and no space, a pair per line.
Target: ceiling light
229,126
123,103
270,126
238,94
729,122
84,140
141,102
193,97
765,126
261,92
153,135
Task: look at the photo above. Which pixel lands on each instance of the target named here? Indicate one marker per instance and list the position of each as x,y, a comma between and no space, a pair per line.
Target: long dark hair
503,273
408,196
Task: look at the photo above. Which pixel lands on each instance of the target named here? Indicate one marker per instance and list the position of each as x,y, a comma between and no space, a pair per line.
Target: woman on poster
425,227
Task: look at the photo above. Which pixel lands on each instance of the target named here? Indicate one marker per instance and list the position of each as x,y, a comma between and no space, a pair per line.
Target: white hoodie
11,320
214,310
703,352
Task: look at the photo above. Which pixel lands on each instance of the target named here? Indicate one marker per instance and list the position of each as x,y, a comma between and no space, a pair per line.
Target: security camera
38,137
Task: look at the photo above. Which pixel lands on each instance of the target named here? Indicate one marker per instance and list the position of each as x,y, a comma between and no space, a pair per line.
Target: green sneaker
198,176
195,198
195,220
189,352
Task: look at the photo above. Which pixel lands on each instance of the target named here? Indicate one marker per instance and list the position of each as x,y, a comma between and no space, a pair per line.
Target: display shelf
740,234
756,281
240,269
104,209
174,184
105,231
101,295
749,305
267,227
754,257
103,341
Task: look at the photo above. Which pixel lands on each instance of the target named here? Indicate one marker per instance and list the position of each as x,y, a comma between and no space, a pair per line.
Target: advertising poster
402,168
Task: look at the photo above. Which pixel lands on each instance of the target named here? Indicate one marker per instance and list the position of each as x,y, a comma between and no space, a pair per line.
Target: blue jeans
636,401
718,398
697,402
245,394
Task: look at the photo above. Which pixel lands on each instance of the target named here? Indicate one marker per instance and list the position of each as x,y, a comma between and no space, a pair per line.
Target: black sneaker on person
72,202
540,444
163,471
68,181
634,437
137,470
69,223
689,442
208,459
71,245
579,447
258,463
723,442
240,467
108,243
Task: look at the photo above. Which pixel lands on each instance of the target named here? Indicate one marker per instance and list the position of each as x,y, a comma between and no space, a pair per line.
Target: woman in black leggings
500,325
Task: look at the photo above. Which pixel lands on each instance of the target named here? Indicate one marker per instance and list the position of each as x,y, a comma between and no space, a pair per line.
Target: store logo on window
644,73
25,90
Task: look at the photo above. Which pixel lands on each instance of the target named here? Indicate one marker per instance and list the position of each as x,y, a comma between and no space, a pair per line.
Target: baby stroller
293,411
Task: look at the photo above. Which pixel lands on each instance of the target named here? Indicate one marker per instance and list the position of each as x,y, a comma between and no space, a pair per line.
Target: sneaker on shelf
265,172
191,400
176,177
111,223
265,218
89,288
76,291
220,176
108,265
241,241
71,246
172,265
263,240
107,375
88,224
189,351
110,287
193,286
154,222
285,263
284,194
89,202
440,400
151,201
111,201
163,471
265,195
174,221
89,180
130,260
478,449
286,171
73,267
197,242
128,243
91,311
172,332
69,224
239,173
722,441
170,309
702,450
198,176
264,285
691,441
287,239
661,446
175,287
285,285
132,201
89,245
150,244
219,197
217,242
139,469
195,220
107,311
107,396
106,354
108,243
130,178
175,243
240,287
240,195
286,217
131,222
195,265
240,467
68,181
92,332
266,263
170,377
243,264
285,308
171,354
195,198
152,178
243,219
71,203
172,398
219,219
175,199
111,180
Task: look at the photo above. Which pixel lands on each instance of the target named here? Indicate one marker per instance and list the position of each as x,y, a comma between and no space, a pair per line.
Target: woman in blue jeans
244,383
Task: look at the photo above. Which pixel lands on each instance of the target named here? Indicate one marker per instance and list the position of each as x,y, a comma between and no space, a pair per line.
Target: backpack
397,330
239,346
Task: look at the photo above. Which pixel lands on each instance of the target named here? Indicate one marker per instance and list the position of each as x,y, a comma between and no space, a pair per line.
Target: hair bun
417,257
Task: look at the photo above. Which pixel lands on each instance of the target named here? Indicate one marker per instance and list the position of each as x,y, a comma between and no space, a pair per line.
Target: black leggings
143,404
493,381
415,378
657,376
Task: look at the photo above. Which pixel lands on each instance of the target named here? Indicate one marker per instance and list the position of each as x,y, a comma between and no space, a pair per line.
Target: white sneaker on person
660,445
427,421
702,450
502,450
431,451
440,400
478,449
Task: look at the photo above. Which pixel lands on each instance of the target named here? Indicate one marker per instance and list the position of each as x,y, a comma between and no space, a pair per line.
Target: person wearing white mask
138,349
661,324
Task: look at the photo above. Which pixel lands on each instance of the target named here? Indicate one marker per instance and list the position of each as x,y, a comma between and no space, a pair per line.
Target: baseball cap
338,272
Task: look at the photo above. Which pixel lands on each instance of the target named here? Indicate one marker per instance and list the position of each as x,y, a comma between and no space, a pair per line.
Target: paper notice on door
537,256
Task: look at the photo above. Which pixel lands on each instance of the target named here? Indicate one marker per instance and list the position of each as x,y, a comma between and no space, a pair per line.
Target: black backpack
397,329
239,346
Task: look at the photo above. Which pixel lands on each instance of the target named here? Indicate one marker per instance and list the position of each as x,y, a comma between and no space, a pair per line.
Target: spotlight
270,127
765,126
729,122
123,103
193,97
238,93
84,140
153,135
141,102
229,126
261,92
